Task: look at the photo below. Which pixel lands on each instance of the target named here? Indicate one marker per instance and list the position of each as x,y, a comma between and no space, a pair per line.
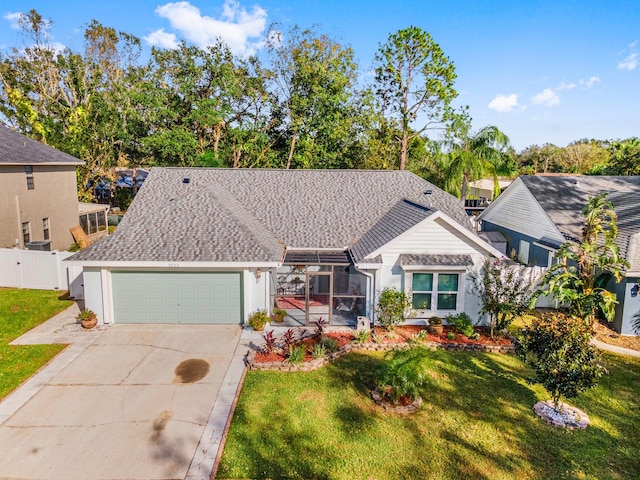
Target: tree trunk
404,142
291,150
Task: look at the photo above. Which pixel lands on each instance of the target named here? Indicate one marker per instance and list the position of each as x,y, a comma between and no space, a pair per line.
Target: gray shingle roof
564,196
400,218
436,260
17,149
627,208
248,215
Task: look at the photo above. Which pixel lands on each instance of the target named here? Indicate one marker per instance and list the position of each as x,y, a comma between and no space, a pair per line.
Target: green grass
476,422
20,311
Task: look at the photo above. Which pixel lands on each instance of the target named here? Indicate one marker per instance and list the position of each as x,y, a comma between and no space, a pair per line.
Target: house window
26,233
45,229
438,288
94,222
28,170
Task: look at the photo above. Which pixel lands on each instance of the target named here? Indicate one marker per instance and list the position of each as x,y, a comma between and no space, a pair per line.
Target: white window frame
46,228
435,271
26,233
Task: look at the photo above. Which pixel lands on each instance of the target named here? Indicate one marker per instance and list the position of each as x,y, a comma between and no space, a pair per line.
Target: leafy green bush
330,344
451,336
259,319
404,372
462,322
319,350
362,336
393,307
295,355
558,348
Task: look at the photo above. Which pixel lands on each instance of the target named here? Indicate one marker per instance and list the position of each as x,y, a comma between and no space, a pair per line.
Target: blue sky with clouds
542,71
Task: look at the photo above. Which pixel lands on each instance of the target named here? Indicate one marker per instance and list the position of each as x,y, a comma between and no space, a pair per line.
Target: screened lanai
318,284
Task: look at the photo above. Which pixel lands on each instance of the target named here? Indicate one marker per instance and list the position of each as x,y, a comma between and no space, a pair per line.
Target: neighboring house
38,194
212,245
537,214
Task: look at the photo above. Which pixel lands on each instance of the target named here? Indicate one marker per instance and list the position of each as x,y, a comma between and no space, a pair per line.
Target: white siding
256,293
431,237
93,293
517,210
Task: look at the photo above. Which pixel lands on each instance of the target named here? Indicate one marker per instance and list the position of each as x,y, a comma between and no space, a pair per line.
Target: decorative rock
402,409
568,417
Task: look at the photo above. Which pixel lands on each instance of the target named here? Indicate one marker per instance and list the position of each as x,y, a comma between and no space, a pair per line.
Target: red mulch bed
405,332
401,334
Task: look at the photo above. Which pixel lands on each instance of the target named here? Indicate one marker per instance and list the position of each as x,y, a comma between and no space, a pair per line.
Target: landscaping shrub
558,348
362,336
295,355
330,344
505,290
462,322
269,342
393,307
319,350
404,372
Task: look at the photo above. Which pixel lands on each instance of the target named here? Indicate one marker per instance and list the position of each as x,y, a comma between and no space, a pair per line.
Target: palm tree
474,156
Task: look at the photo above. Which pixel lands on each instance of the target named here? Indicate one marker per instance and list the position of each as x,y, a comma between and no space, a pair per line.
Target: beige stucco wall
54,196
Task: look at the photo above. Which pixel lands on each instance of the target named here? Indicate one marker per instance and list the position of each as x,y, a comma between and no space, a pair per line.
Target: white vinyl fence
40,270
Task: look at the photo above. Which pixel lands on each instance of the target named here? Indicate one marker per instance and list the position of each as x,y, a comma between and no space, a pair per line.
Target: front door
319,286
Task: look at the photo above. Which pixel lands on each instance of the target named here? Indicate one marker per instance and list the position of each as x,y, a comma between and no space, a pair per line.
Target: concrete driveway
136,402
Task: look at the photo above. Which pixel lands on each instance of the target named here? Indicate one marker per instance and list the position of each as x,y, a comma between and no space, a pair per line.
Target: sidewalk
615,349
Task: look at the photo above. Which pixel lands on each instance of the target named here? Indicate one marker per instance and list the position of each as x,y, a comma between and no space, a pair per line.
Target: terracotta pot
89,322
435,329
278,318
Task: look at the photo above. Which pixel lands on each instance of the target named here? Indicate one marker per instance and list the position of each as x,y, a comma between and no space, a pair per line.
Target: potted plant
258,320
87,318
435,326
278,314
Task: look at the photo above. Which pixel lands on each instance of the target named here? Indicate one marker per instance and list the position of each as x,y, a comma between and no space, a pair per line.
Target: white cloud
589,83
629,63
236,26
162,39
504,103
13,18
566,86
547,97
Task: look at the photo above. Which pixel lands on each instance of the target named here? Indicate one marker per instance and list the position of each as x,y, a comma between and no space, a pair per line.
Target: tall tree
414,82
473,156
313,81
585,267
625,157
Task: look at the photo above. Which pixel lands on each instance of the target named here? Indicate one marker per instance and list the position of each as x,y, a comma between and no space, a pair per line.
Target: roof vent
428,192
186,180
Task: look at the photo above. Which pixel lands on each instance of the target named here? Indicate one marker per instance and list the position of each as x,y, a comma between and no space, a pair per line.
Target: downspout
20,237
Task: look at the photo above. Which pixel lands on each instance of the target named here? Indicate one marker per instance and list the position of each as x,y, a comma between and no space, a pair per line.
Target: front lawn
20,311
477,422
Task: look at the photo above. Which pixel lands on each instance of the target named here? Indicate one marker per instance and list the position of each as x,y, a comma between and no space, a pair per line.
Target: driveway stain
160,423
191,370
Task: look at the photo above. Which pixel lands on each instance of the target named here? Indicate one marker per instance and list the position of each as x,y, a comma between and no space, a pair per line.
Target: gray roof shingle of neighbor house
18,149
251,215
564,196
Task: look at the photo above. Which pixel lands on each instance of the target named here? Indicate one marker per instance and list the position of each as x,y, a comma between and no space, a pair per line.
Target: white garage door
177,297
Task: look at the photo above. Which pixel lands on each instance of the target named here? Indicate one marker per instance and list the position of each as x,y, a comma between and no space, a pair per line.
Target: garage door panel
177,297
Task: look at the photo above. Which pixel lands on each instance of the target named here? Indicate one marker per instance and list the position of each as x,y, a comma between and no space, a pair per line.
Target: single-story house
38,194
537,214
201,245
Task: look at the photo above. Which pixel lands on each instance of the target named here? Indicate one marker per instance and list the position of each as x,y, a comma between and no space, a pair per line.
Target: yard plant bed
476,422
384,340
20,311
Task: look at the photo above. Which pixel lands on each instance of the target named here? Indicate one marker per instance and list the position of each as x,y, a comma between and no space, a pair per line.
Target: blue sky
542,71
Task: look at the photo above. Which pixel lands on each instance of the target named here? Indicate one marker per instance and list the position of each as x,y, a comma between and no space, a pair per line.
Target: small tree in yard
505,290
586,266
393,307
404,372
557,347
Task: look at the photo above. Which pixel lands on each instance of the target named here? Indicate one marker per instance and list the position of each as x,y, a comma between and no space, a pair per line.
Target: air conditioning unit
41,245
